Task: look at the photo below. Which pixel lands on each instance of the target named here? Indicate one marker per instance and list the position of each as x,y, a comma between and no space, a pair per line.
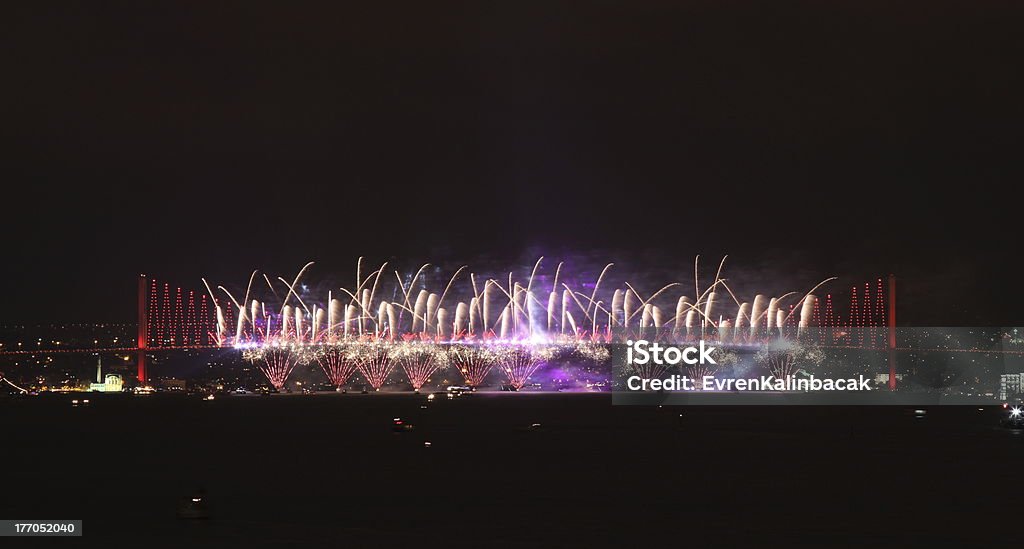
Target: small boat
194,507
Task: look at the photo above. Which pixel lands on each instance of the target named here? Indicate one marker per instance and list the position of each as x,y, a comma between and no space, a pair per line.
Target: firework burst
420,360
784,358
519,362
473,362
337,363
276,362
374,361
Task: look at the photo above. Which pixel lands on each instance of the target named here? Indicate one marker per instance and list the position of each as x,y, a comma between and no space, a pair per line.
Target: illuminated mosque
111,384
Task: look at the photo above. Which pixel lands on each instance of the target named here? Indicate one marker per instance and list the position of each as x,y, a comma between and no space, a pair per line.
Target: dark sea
506,470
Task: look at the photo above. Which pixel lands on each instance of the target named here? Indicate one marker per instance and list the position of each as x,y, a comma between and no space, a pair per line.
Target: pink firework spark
518,363
337,364
375,363
420,361
278,363
472,362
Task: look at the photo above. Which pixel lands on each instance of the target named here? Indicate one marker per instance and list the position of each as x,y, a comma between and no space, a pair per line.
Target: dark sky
184,140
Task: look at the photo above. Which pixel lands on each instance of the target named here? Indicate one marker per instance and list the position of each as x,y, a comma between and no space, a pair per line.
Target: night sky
187,140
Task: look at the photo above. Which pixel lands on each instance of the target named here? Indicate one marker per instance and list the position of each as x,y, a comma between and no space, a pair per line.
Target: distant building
111,384
172,384
1010,385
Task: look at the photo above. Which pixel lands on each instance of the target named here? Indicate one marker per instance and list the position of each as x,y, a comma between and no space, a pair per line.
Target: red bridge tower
143,325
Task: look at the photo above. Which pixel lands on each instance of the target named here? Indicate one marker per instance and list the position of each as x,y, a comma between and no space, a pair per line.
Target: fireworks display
388,319
468,308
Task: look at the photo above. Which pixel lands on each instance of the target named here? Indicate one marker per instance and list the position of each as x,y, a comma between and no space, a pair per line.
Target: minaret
99,369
